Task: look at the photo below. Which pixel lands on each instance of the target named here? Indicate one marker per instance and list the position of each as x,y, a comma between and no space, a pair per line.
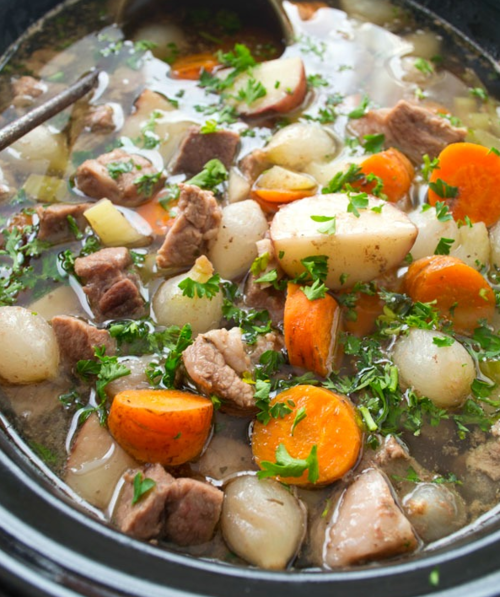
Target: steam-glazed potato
443,374
363,246
242,225
298,144
262,522
28,347
172,307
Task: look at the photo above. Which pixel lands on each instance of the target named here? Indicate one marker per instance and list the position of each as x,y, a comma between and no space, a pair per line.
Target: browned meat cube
110,285
100,119
146,518
26,89
54,226
183,511
413,129
369,524
193,511
198,148
124,179
197,223
77,340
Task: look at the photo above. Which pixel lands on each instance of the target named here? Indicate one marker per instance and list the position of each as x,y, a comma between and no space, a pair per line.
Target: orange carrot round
190,67
277,197
165,426
461,293
312,330
330,424
155,215
393,168
474,172
360,320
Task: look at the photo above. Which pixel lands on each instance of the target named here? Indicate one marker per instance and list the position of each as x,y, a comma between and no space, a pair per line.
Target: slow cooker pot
49,547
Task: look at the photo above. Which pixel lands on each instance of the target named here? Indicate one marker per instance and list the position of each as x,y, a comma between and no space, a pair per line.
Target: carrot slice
360,320
475,172
461,293
276,196
165,426
330,423
393,168
190,67
312,329
155,215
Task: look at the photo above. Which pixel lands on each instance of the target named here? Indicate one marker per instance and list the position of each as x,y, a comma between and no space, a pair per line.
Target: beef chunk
215,362
135,184
196,224
26,89
112,289
77,340
369,524
413,129
254,164
146,518
198,148
485,459
100,119
262,295
54,225
193,511
183,511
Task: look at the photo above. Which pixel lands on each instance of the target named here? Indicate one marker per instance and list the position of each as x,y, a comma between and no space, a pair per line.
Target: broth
441,472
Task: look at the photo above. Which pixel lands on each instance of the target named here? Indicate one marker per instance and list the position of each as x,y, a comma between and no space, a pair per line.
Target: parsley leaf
116,169
166,377
300,415
192,288
240,58
287,466
214,173
479,92
444,190
443,341
260,264
374,143
357,202
361,110
209,127
317,80
444,246
442,212
424,66
341,179
146,183
330,227
429,166
253,91
141,487
316,291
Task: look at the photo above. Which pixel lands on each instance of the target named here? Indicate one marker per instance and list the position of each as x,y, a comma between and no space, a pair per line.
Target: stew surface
249,289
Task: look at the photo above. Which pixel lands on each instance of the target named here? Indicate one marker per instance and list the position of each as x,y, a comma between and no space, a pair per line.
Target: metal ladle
127,11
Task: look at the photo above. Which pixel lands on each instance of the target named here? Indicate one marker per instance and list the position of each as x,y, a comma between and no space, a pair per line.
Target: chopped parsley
253,91
209,127
479,92
317,80
360,110
374,143
443,341
141,487
116,169
208,289
444,246
166,376
213,174
330,226
146,183
357,202
424,66
340,181
300,415
443,189
287,466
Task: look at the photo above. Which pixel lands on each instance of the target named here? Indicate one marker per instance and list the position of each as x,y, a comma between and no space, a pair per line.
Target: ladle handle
17,129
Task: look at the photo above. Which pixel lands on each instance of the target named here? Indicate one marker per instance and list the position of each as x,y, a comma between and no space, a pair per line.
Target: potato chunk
364,245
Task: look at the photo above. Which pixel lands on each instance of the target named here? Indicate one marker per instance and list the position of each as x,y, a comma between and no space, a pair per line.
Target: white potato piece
114,229
224,457
362,247
284,81
281,179
262,522
443,374
40,149
136,380
472,245
495,245
234,250
430,231
171,307
28,347
162,34
61,300
379,12
434,511
426,44
96,463
298,144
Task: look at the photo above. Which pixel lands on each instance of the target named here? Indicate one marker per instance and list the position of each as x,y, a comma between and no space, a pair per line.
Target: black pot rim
50,548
